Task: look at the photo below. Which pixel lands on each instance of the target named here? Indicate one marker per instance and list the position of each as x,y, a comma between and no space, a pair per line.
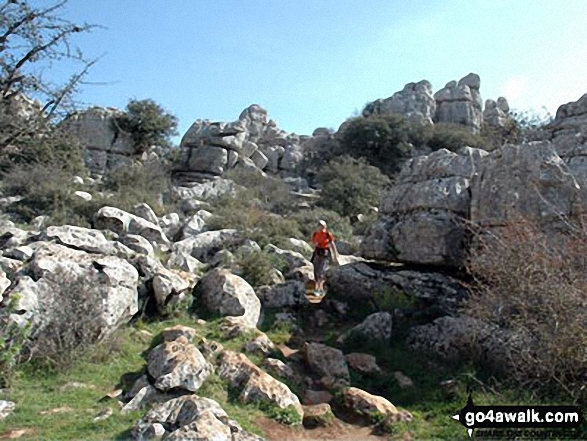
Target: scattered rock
318,415
21,253
224,293
363,363
174,333
317,397
146,212
260,345
326,361
403,381
278,368
283,295
6,408
205,245
104,415
363,403
178,364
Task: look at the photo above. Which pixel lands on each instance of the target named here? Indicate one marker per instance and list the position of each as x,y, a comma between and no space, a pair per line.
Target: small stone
104,415
403,381
318,415
363,363
6,408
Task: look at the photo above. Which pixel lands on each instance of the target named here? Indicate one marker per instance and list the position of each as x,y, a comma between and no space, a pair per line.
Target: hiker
322,240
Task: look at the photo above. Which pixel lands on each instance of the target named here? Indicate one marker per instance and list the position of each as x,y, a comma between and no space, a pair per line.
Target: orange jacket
322,239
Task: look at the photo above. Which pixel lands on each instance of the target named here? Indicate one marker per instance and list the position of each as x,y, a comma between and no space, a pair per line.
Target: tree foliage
33,39
350,186
148,123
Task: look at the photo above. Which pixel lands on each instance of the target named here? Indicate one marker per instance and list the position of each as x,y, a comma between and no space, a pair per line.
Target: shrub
533,284
350,186
383,140
148,123
453,137
272,193
257,267
307,221
12,340
66,337
139,182
53,148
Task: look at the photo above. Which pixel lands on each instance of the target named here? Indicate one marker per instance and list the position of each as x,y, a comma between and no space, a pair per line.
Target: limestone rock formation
357,282
57,273
422,215
415,102
105,146
496,114
460,103
253,142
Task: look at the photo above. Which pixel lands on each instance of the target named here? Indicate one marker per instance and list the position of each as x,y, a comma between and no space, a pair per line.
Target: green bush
307,221
453,137
12,340
257,267
148,123
47,189
273,194
53,148
139,182
350,186
383,140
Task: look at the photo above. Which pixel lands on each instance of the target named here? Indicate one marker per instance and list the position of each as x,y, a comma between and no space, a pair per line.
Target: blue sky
313,63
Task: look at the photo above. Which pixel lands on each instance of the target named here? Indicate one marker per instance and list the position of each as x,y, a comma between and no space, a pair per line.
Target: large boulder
227,294
359,282
121,222
205,245
190,418
63,282
376,327
178,364
423,217
289,294
256,385
326,361
85,239
496,114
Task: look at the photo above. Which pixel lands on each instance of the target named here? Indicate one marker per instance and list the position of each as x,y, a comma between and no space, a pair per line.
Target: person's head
321,225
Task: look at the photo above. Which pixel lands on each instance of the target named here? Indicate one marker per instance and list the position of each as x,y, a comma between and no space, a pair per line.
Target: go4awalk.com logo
530,421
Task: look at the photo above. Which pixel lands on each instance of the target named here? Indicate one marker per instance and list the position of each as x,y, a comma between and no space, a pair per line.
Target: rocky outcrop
226,294
415,102
358,282
105,145
496,114
253,142
421,217
465,339
376,327
460,103
48,289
